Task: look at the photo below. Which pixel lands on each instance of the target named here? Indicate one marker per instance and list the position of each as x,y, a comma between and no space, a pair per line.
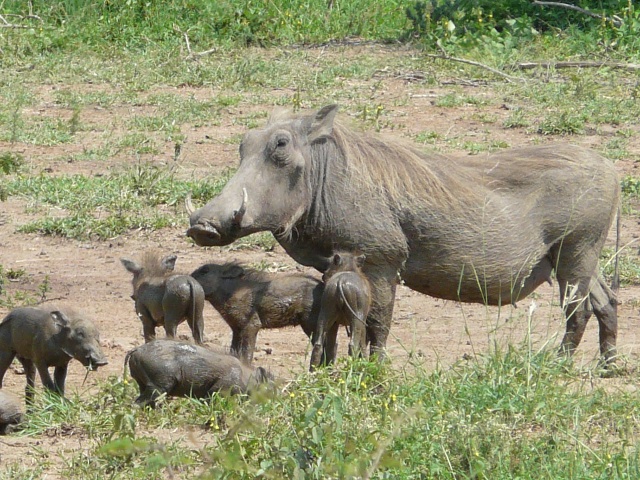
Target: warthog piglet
249,300
181,369
43,338
163,298
10,412
346,301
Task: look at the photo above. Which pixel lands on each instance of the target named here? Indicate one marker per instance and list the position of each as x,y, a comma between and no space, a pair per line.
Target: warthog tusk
239,214
188,205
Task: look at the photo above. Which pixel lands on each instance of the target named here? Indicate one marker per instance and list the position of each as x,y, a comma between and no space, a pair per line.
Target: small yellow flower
393,397
319,413
292,395
363,385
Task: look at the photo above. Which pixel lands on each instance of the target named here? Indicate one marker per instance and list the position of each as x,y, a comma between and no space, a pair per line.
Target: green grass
140,197
512,413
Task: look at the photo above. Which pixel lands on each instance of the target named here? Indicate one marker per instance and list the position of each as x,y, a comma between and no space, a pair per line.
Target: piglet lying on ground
43,338
10,412
182,369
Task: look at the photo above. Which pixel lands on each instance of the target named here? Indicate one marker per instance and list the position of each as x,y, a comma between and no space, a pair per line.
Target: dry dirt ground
88,275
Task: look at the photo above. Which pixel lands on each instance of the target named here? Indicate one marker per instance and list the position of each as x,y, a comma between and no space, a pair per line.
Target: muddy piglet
346,301
164,298
250,300
10,412
181,369
43,338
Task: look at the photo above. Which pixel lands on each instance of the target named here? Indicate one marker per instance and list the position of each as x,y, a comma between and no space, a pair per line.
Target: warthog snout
203,233
93,361
220,226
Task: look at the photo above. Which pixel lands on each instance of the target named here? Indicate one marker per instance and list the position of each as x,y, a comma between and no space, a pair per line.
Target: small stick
509,78
615,19
530,65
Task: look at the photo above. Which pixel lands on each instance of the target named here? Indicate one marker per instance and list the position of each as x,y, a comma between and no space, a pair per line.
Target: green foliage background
142,24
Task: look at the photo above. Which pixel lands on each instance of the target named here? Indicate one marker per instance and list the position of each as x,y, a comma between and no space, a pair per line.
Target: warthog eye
282,142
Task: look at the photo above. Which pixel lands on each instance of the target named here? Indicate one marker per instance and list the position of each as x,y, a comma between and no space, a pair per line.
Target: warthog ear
261,375
232,271
337,259
360,259
169,262
60,319
321,125
131,266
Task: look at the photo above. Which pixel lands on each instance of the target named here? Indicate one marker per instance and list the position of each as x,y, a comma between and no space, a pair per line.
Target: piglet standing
164,298
181,369
346,301
43,338
250,300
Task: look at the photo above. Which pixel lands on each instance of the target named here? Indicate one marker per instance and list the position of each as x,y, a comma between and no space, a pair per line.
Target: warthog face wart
270,190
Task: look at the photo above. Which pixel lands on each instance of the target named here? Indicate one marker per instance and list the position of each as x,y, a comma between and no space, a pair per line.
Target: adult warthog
486,228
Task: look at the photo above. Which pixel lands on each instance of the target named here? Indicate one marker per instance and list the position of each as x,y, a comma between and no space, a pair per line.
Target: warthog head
270,191
80,339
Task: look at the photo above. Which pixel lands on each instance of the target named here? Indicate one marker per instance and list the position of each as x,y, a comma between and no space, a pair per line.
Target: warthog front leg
6,357
575,302
331,344
60,377
383,293
243,341
30,373
148,327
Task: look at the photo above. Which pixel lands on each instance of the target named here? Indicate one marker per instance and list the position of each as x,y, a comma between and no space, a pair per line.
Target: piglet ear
232,271
60,319
321,125
169,262
261,375
131,266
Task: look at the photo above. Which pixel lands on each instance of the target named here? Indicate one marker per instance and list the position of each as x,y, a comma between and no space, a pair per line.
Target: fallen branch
617,21
509,78
624,66
5,24
193,54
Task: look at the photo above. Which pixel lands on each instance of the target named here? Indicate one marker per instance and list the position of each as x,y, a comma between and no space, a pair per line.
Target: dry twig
5,24
193,55
444,56
617,21
624,66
